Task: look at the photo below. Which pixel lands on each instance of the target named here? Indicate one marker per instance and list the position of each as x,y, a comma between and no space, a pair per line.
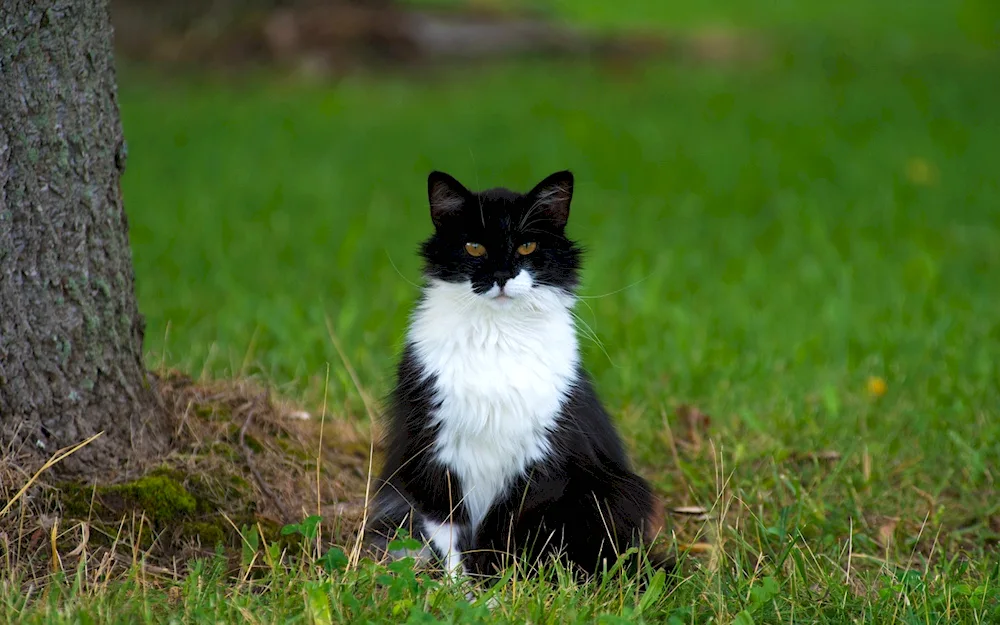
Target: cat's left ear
553,196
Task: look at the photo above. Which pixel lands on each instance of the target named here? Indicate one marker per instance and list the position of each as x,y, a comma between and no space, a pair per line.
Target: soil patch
334,37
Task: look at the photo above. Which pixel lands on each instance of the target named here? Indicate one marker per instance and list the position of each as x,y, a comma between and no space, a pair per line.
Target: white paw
491,603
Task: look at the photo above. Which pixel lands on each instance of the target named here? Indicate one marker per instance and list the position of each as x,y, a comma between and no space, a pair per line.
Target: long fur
498,446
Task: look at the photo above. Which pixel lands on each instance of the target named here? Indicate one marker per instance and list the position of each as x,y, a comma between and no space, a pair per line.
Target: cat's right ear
552,197
447,196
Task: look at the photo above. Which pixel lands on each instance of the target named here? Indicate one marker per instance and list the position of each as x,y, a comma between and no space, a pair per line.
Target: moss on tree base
238,461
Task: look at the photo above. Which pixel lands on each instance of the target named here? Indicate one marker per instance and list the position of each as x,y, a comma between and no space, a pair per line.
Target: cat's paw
490,604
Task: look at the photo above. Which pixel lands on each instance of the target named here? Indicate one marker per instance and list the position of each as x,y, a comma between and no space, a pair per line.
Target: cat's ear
447,196
552,196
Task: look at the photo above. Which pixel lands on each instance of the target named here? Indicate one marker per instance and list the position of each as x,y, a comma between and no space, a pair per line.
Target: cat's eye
475,249
526,248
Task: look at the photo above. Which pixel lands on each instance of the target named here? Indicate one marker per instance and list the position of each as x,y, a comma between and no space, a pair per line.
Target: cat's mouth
497,293
499,297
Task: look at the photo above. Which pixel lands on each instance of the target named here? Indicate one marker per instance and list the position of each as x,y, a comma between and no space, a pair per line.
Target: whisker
591,334
624,288
593,315
475,168
407,280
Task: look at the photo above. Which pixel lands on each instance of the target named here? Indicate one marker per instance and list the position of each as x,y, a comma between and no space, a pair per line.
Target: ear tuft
447,196
553,195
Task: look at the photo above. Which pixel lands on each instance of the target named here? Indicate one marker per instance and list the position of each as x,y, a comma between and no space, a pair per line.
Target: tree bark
71,336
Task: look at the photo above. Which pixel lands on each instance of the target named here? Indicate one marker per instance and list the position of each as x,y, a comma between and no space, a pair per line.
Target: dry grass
243,456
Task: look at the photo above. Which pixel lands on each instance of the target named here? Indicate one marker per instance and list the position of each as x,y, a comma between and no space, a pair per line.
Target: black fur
583,502
501,220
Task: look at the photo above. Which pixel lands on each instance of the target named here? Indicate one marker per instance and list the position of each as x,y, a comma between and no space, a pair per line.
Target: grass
762,242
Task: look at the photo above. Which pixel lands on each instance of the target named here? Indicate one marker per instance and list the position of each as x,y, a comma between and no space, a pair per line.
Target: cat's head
505,246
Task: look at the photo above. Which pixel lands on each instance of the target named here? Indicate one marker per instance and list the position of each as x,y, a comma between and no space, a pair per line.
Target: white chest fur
501,377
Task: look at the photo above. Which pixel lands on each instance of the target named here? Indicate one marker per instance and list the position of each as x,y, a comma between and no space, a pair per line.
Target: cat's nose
501,277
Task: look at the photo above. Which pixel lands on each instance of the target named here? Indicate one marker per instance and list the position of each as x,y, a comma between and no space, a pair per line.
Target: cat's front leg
514,531
392,512
448,538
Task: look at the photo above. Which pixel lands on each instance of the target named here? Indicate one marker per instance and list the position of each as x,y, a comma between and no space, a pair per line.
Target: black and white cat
497,443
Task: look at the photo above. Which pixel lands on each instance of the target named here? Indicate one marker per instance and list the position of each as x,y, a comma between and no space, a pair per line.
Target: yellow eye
475,249
527,248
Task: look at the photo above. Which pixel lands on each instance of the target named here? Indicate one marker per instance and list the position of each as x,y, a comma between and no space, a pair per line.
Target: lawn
805,248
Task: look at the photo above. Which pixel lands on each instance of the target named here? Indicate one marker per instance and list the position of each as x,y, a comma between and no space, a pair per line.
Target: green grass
761,240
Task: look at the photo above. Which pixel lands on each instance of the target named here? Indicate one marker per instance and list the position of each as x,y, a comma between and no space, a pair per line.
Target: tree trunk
71,360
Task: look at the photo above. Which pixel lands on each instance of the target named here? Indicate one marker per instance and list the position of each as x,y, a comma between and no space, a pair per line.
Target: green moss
208,533
76,499
211,412
253,444
220,449
65,348
271,530
239,483
168,472
212,491
102,285
162,498
294,451
192,503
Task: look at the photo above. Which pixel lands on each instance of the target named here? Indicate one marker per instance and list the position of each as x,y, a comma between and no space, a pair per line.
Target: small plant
307,528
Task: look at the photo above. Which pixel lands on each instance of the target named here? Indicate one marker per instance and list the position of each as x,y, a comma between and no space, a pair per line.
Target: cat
498,447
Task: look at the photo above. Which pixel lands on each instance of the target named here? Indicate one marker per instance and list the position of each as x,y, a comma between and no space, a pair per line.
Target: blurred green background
764,232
